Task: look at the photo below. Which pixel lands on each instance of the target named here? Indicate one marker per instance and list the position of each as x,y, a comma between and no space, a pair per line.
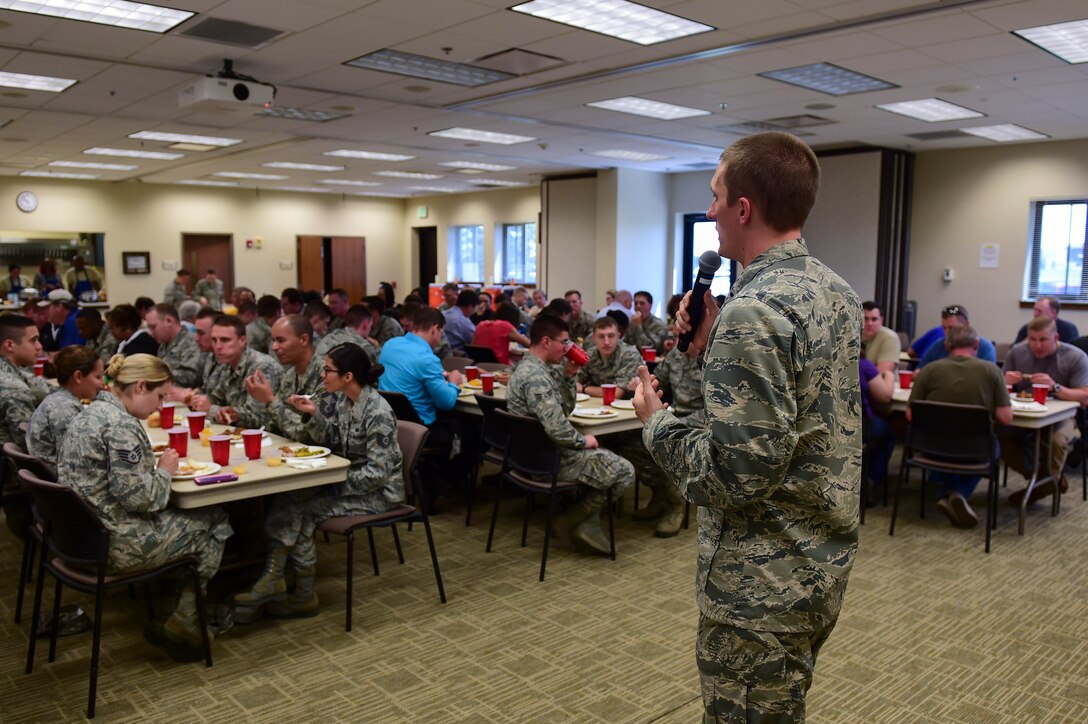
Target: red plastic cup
39,369
905,378
608,394
179,440
488,381
196,423
166,416
649,354
472,373
1040,392
220,445
251,440
577,355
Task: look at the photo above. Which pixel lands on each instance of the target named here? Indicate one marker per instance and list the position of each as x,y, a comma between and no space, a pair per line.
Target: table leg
1036,480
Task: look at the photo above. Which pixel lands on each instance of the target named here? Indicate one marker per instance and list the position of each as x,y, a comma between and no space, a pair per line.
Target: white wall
969,197
642,234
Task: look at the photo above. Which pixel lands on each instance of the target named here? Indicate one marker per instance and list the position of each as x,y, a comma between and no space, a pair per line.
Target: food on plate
1025,395
153,419
235,433
298,452
273,462
160,448
475,383
190,467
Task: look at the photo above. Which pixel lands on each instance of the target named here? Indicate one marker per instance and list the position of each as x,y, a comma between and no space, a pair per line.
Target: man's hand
710,313
1042,378
303,404
259,388
200,403
591,442
636,319
226,415
168,461
178,394
1013,377
647,399
455,377
570,370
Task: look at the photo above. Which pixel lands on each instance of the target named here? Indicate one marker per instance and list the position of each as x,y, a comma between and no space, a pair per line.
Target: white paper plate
623,404
321,452
479,387
581,397
594,413
204,469
1028,407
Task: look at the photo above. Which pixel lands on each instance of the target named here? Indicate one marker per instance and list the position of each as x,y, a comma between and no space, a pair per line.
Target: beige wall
571,210
969,197
148,217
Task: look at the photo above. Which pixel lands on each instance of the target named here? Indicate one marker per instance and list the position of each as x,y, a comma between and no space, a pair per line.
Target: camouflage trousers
629,446
755,676
294,517
598,468
175,533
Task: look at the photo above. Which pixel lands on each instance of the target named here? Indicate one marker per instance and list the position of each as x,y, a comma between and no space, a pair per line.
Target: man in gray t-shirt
1044,360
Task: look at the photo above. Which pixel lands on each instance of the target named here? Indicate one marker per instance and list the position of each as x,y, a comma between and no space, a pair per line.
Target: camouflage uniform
19,401
39,388
537,391
776,474
212,291
340,336
683,376
616,370
581,327
259,335
49,423
443,350
106,458
386,329
105,344
366,434
174,294
335,323
226,386
286,420
651,333
183,358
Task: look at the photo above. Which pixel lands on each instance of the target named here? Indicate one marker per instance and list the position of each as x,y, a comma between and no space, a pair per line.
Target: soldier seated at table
356,329
646,330
106,458
224,395
611,361
301,376
81,375
97,334
177,348
21,393
1044,360
259,331
542,386
962,379
356,423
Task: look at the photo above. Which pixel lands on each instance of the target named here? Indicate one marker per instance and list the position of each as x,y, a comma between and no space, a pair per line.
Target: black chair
18,497
949,438
454,363
411,437
75,551
532,464
492,443
480,353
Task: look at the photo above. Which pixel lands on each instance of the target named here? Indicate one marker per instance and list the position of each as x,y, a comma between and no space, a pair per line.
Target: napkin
305,464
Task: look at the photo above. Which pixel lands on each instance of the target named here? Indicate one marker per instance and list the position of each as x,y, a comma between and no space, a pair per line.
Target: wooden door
200,252
348,262
311,263
428,254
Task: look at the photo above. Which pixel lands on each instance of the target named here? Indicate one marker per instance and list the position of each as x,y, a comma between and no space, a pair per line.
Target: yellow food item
475,383
153,420
239,470
273,462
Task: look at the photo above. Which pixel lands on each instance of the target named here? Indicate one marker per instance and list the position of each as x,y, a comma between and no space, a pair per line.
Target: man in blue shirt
955,315
412,369
1048,306
61,312
459,328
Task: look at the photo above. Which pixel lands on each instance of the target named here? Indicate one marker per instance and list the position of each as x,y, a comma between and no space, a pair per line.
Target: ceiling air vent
937,135
232,32
518,62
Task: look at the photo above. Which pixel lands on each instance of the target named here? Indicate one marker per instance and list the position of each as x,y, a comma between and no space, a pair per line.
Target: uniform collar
779,252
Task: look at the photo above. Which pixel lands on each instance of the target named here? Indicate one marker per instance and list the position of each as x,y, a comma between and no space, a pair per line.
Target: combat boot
673,517
302,603
181,632
657,505
587,535
270,586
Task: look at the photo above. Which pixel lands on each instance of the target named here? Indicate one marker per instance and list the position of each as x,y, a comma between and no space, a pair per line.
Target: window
465,254
1056,255
700,235
516,258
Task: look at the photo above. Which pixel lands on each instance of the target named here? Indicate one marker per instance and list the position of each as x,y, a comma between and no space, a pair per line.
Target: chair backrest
494,431
480,353
904,341
24,461
1080,343
72,530
1001,350
410,437
948,430
529,450
402,406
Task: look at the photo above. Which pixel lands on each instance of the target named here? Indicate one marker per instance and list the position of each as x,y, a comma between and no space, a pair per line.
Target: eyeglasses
329,371
953,311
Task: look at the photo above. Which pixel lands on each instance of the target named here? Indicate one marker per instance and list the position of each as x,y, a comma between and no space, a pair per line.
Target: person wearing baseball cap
61,311
955,315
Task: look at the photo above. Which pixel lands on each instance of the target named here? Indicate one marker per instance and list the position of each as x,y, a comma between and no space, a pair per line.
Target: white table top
1056,410
622,421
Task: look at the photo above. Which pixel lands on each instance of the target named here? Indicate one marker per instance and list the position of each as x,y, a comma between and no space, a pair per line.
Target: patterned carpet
933,630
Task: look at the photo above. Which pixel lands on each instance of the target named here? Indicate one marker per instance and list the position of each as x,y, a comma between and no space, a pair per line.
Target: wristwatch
1057,388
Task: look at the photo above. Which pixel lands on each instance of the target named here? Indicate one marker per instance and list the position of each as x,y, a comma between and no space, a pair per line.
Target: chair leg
150,603
895,497
373,550
96,640
525,520
434,559
494,514
351,576
991,505
470,491
552,502
611,527
326,534
56,622
922,496
636,496
396,541
687,514
38,590
201,615
25,566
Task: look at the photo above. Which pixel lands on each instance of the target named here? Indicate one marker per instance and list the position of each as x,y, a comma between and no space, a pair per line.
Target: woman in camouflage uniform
81,375
106,458
356,423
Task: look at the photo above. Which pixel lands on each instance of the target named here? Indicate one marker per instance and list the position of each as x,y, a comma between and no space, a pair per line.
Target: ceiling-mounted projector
225,93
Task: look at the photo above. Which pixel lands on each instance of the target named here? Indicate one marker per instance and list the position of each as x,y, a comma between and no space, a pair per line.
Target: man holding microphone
776,471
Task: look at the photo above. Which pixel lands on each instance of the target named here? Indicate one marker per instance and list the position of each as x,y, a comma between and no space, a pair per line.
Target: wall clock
27,201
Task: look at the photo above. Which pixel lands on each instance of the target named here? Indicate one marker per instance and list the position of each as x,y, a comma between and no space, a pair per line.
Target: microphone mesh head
709,262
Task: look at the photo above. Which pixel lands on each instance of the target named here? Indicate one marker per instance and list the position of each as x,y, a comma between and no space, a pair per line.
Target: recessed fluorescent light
1005,133
435,189
628,155
184,138
208,182
409,174
303,189
35,82
254,176
58,174
91,164
302,166
120,13
646,107
472,134
828,78
128,153
1068,41
369,155
299,114
349,182
477,165
495,182
931,110
199,147
421,66
617,18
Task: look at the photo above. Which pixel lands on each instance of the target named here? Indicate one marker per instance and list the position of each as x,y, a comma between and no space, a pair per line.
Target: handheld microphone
709,262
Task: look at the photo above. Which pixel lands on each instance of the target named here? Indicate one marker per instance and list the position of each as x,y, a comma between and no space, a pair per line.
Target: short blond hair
124,371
